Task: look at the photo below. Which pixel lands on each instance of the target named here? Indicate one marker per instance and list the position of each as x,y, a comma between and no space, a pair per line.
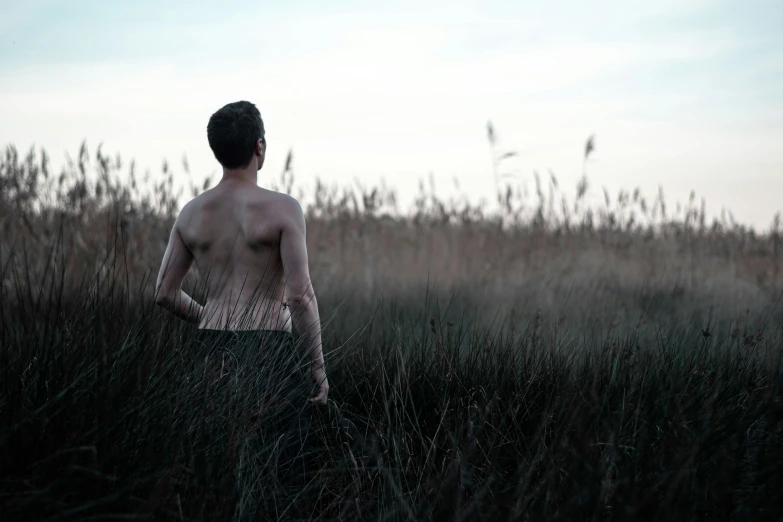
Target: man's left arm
168,292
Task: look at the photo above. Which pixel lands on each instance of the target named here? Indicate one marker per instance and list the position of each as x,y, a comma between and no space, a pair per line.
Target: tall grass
533,360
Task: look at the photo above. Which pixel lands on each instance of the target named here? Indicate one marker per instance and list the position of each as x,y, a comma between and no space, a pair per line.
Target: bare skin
249,244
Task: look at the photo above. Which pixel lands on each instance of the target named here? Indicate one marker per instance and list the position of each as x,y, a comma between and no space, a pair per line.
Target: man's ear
260,152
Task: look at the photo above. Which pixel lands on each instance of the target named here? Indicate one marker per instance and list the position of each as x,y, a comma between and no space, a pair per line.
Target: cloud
407,90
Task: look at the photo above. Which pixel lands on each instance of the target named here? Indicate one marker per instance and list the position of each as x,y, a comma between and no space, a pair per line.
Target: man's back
234,232
249,245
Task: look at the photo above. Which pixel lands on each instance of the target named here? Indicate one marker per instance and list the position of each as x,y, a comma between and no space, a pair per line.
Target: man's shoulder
187,209
192,206
286,202
283,204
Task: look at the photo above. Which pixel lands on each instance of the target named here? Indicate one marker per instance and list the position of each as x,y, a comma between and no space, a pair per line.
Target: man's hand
319,377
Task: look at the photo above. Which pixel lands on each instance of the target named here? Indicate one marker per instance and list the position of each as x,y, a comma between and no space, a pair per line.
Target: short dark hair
232,133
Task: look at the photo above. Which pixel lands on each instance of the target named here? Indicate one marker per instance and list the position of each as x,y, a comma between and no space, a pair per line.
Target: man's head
236,135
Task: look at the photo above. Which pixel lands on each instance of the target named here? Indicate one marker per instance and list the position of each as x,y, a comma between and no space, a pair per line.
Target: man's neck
245,175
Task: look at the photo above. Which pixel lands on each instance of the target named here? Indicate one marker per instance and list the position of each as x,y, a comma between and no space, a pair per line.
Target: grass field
530,360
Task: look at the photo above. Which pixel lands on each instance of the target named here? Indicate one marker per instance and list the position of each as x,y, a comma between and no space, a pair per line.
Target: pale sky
686,94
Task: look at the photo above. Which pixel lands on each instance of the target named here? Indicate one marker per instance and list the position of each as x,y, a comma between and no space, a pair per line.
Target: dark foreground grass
109,412
609,365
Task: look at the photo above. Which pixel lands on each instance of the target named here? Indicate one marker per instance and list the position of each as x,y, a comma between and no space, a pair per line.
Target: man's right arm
300,294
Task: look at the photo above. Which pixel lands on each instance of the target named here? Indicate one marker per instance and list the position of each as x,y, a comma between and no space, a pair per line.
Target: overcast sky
685,94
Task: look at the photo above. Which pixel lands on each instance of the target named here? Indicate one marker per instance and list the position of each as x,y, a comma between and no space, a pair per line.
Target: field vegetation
532,358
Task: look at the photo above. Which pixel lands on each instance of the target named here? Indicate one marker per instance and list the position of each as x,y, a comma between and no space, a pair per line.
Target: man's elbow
163,299
302,298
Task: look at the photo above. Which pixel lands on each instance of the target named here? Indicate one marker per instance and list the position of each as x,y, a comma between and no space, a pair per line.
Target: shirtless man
249,242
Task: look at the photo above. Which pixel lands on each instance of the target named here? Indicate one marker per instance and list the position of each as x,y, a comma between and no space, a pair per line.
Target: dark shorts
267,372
267,353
